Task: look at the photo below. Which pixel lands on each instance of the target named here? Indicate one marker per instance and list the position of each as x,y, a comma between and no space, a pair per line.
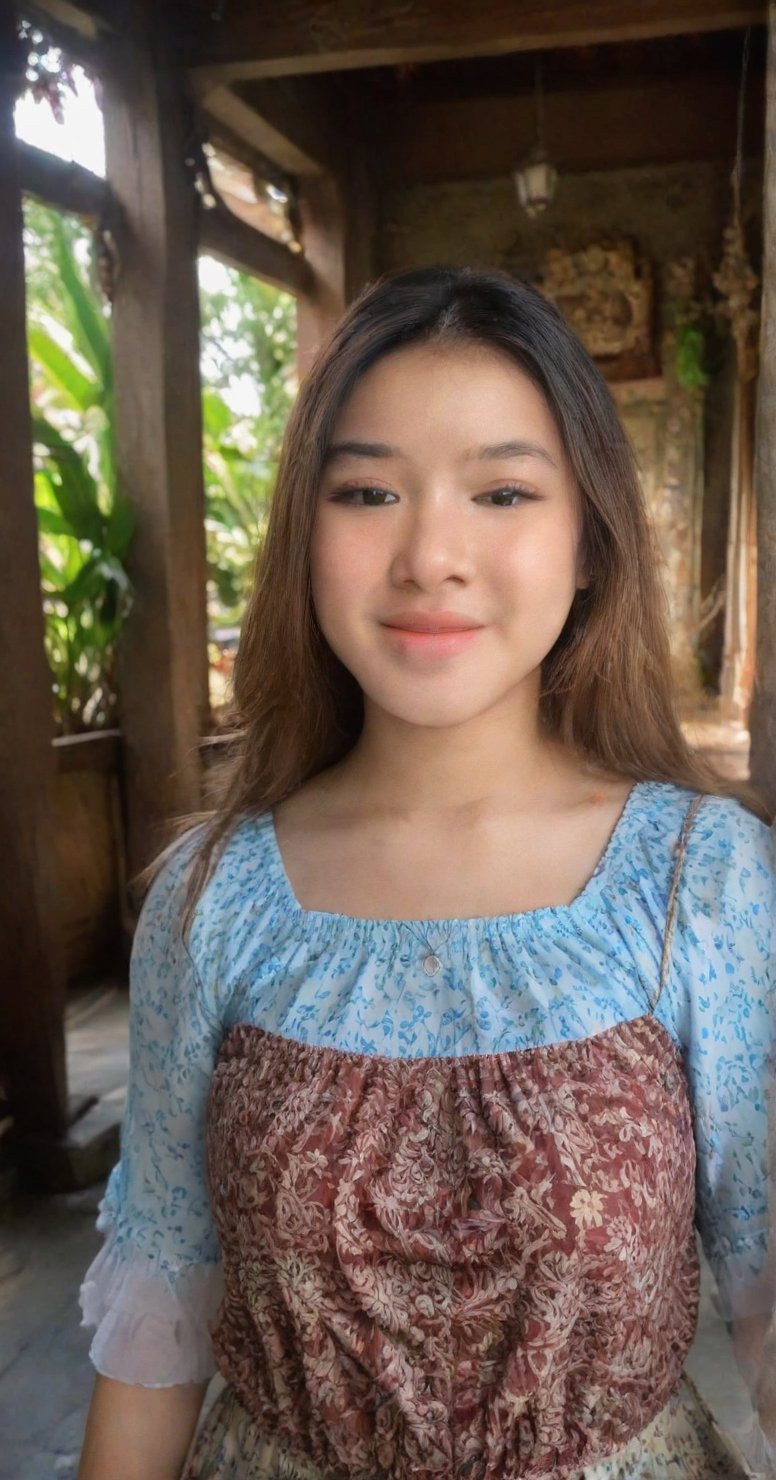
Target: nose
431,547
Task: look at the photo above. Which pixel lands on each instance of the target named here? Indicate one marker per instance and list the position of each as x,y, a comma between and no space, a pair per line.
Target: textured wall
673,211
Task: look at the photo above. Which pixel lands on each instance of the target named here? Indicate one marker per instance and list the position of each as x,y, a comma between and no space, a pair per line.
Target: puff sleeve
156,1283
725,960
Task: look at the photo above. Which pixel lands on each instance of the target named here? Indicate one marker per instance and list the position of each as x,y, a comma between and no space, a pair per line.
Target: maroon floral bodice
479,1267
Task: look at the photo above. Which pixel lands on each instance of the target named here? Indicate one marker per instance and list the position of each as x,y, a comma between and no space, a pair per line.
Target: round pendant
431,965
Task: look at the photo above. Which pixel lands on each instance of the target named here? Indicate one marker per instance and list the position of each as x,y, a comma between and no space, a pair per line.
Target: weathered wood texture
763,719
360,177
57,182
629,122
83,18
159,431
256,38
31,984
321,132
294,121
323,227
86,848
88,843
241,246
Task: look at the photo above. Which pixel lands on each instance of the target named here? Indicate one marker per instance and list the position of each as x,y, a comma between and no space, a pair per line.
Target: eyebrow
494,451
502,450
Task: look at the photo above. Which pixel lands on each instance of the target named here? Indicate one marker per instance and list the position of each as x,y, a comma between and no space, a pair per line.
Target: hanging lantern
535,181
536,177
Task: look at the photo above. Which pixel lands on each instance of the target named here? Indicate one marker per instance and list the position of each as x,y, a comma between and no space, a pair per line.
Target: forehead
459,395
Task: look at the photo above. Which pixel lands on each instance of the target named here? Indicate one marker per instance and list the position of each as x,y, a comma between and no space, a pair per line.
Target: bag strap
673,896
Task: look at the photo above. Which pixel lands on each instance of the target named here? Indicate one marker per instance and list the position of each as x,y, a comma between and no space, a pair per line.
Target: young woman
455,1016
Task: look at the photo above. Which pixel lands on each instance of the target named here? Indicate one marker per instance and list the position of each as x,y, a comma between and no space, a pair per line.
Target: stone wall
673,211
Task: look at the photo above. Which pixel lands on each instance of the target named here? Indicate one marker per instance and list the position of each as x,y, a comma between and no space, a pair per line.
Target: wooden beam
164,679
59,183
264,39
293,121
657,121
763,717
99,750
32,1056
241,246
85,20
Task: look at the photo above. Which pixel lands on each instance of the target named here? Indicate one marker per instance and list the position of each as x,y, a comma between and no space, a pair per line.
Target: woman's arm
139,1433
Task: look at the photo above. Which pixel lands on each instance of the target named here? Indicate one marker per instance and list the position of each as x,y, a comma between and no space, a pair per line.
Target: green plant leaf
120,526
77,389
72,484
50,522
90,328
86,586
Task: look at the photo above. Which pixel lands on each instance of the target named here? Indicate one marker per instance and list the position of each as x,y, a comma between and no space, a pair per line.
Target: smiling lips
437,634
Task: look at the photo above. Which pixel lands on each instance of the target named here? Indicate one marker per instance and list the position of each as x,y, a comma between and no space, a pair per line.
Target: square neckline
583,897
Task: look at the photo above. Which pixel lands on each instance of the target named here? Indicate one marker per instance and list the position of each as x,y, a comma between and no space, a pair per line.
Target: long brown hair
607,685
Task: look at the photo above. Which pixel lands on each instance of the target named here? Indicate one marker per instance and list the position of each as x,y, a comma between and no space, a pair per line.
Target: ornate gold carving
605,292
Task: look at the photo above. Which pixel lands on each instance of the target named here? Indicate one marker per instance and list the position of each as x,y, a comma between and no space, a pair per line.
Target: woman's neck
467,771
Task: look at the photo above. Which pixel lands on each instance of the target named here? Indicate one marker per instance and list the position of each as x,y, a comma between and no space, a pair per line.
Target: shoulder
726,869
723,839
239,885
726,900
730,862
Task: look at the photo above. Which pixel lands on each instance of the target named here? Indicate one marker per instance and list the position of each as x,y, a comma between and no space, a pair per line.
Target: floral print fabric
481,1267
684,1440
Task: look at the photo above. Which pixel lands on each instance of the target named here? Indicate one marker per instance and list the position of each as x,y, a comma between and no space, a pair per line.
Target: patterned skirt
684,1442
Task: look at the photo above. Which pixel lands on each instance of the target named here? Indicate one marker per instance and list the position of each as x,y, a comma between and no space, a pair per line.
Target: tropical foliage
85,528
248,340
249,373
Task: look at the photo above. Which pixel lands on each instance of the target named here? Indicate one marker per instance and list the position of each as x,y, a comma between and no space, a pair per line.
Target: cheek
338,571
543,560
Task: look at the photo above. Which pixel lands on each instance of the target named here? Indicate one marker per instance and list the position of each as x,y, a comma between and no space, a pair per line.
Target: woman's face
446,544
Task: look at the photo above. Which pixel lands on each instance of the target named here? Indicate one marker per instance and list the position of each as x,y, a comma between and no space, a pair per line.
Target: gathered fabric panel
481,1266
684,1440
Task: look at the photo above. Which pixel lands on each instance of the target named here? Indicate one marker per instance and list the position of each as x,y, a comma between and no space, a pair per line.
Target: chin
443,710
432,717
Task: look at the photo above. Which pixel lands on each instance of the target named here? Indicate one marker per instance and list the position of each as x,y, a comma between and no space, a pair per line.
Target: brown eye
365,497
506,498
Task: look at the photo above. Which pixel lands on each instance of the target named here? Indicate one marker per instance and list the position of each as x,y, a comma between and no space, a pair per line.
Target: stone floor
47,1243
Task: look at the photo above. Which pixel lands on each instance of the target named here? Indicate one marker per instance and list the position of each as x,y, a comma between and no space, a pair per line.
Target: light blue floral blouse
254,955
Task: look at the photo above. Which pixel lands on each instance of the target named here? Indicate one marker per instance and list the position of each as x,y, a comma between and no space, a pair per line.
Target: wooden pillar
763,718
32,1057
736,281
338,233
322,214
164,680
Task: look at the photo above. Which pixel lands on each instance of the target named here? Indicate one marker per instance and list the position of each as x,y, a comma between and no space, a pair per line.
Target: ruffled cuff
152,1324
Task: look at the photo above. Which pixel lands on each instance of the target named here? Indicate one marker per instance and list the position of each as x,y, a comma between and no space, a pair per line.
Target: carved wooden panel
604,290
665,424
